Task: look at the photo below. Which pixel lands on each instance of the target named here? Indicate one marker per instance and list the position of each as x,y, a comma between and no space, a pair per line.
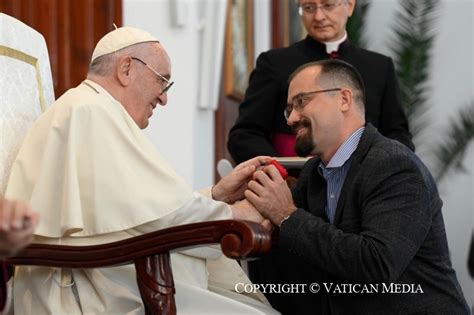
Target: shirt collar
319,47
346,149
334,46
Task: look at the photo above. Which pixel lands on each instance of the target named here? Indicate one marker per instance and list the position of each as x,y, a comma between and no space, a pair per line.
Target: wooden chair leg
155,281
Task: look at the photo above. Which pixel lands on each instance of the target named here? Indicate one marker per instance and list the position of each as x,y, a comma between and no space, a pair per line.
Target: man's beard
304,145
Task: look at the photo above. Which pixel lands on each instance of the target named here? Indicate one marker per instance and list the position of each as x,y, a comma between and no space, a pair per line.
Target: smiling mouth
301,128
300,131
152,109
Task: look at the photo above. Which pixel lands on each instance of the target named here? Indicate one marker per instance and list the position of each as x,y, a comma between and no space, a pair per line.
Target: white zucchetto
120,38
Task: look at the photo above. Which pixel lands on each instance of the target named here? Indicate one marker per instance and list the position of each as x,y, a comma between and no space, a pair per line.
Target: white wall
262,26
182,132
451,87
185,134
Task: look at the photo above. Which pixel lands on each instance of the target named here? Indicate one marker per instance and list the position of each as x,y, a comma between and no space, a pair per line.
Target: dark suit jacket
261,112
388,228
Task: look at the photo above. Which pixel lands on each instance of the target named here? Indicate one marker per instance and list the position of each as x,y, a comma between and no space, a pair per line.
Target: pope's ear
122,70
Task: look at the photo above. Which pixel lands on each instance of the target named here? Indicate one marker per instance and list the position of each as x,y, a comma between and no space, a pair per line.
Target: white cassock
94,178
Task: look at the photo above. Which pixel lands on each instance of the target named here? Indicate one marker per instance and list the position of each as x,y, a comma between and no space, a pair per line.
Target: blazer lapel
355,160
317,194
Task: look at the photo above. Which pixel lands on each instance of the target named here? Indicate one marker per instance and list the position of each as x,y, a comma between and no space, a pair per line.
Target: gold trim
19,55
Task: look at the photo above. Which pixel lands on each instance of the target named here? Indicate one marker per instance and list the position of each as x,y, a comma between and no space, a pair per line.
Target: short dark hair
336,73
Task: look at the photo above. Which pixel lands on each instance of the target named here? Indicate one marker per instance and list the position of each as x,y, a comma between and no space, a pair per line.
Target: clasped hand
266,192
17,223
270,195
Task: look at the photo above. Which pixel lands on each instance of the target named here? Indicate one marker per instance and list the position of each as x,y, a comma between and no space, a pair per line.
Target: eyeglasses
300,100
311,7
165,83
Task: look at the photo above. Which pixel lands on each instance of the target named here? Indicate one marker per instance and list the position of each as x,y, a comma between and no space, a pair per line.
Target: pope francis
94,178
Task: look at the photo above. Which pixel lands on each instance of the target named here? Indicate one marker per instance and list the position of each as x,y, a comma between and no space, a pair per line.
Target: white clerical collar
99,89
334,46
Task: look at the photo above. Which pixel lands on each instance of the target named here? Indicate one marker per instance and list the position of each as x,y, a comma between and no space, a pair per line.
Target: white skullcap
120,38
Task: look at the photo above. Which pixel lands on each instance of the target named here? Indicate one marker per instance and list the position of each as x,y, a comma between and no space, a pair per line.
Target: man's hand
244,210
270,194
17,223
232,187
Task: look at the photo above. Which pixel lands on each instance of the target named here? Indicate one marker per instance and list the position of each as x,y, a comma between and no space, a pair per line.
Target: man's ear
351,6
346,100
122,70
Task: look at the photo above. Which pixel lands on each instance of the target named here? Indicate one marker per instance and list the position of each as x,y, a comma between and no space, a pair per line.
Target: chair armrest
238,239
150,254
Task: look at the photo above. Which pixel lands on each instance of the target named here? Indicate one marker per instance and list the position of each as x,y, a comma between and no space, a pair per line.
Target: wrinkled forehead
152,50
164,63
156,56
165,57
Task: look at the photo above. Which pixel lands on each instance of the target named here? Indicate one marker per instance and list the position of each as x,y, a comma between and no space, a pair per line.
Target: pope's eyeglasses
166,84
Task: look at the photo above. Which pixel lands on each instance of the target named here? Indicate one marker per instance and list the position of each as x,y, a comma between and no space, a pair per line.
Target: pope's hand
232,187
244,210
17,223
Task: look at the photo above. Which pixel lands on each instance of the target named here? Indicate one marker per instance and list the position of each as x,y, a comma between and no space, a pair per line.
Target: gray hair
104,65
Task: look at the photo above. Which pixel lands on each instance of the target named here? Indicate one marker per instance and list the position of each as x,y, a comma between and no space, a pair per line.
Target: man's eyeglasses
311,7
165,83
300,100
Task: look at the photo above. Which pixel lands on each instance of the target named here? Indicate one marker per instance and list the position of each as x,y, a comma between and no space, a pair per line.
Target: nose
293,118
319,15
163,99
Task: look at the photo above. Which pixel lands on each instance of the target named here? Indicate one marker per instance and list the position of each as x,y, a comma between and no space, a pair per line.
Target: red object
333,54
280,168
284,144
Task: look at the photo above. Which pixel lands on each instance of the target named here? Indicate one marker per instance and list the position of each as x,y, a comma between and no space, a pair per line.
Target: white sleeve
199,209
206,192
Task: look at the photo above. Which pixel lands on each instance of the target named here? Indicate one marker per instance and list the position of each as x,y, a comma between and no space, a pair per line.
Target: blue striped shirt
336,171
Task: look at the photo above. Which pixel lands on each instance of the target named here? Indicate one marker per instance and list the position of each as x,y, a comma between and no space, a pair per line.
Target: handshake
257,191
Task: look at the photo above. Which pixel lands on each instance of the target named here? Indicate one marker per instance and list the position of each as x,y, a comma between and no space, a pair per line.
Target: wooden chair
26,91
151,255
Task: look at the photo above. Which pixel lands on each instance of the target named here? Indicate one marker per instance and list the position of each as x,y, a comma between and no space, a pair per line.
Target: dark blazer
261,112
388,229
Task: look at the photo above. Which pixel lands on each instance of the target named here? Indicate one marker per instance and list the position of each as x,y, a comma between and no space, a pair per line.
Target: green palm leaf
411,48
451,148
355,25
